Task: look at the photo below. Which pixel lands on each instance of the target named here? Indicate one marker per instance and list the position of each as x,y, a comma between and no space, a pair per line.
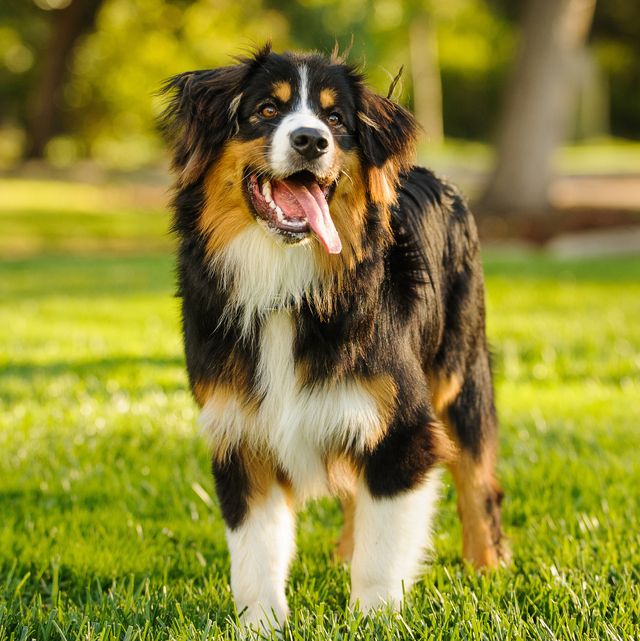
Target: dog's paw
375,598
505,555
262,619
489,557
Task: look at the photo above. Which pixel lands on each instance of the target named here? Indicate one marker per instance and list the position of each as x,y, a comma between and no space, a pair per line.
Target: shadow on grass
120,602
536,266
101,369
86,277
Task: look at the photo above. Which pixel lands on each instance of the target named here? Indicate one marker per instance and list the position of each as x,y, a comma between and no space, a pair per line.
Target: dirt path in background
604,192
605,210
584,203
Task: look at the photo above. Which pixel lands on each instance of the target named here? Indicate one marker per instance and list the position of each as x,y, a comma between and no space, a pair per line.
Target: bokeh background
532,106
109,526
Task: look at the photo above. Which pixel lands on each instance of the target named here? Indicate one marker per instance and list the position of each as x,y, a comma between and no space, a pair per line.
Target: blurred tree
616,40
23,28
475,42
374,31
462,46
104,107
537,105
425,73
69,21
138,44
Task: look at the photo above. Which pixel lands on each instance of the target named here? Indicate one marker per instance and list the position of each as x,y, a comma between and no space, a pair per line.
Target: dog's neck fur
262,275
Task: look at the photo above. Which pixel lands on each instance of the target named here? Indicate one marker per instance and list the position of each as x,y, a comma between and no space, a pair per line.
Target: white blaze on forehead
283,157
303,104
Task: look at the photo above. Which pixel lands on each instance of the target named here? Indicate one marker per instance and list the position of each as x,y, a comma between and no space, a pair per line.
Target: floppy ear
200,116
387,136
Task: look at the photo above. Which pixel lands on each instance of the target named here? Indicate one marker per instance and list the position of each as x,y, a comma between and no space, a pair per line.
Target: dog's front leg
395,503
261,538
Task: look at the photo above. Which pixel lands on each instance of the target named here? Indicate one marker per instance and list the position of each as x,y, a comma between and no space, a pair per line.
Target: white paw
264,617
376,597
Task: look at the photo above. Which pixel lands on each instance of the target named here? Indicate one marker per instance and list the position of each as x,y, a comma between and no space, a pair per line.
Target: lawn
109,527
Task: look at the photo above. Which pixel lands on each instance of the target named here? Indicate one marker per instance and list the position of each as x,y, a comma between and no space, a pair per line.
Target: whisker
346,173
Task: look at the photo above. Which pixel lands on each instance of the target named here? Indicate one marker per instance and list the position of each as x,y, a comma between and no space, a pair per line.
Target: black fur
394,127
233,488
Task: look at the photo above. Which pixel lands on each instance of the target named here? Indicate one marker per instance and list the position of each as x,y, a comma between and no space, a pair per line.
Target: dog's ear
387,136
201,113
200,116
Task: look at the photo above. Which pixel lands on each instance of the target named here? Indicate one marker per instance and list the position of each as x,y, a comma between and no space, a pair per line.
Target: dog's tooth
272,204
280,214
266,191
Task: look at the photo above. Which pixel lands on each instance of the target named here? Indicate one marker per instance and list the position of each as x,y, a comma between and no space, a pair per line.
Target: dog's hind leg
470,417
344,547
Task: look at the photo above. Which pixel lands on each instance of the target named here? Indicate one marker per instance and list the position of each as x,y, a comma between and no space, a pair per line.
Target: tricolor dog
334,323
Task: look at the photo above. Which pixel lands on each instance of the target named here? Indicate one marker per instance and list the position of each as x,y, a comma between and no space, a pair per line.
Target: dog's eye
334,119
268,110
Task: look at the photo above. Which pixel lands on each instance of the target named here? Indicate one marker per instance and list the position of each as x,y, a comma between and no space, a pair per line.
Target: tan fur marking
205,391
341,475
225,213
444,448
201,392
232,387
236,381
383,182
287,488
444,391
217,397
282,90
367,121
261,475
474,480
383,389
190,171
344,547
328,98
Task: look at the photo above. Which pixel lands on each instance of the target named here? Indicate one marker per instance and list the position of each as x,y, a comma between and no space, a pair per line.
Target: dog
334,323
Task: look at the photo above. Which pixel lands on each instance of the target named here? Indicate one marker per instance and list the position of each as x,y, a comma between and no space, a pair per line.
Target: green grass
60,217
600,156
109,528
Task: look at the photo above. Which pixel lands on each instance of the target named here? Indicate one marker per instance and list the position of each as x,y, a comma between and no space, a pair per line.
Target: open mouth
294,207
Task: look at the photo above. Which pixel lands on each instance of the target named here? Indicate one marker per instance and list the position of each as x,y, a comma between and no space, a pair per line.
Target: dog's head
295,143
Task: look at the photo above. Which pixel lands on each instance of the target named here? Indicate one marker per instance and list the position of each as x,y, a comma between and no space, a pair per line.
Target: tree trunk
425,71
537,106
45,102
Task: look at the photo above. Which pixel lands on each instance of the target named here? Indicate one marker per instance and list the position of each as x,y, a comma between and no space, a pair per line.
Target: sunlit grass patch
109,528
41,216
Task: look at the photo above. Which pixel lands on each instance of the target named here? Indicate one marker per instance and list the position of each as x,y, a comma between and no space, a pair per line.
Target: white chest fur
298,425
263,274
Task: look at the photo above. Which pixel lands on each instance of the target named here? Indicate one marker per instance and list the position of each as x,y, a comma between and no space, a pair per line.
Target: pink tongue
296,200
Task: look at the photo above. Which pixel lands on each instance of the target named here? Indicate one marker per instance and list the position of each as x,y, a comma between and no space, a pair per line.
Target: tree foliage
109,90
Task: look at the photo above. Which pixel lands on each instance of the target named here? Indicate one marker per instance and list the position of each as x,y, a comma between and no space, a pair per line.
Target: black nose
309,142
